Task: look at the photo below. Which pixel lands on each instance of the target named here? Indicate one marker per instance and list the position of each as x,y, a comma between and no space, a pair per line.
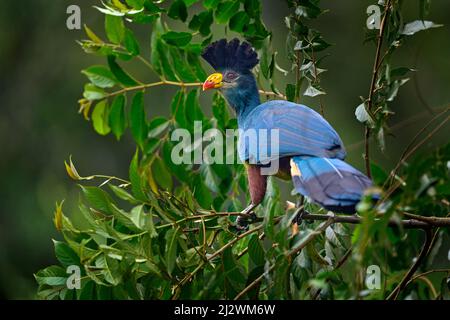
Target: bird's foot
246,217
299,214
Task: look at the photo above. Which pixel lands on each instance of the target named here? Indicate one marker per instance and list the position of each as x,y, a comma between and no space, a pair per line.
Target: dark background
40,83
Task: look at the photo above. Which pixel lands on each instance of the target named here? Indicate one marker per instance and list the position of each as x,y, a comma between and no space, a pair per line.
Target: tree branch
423,254
407,224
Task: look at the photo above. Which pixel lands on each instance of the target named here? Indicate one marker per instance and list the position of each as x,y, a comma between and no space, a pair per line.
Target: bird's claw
299,214
243,221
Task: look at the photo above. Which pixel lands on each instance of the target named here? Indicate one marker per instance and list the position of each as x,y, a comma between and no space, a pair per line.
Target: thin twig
190,275
423,254
409,153
272,94
310,237
297,76
313,58
407,149
339,264
398,126
416,81
372,86
423,274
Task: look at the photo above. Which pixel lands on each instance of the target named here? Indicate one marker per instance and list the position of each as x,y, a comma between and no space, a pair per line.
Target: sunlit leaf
100,118
115,28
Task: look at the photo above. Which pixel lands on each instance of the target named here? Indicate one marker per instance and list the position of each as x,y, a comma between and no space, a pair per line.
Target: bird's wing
301,132
332,183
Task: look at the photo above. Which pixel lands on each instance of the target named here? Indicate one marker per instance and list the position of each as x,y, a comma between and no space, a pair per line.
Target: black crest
231,55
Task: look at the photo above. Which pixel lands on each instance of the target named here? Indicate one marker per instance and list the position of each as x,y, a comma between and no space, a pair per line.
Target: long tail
331,183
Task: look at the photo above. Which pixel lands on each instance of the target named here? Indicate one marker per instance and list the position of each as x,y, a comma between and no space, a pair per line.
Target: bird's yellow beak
214,81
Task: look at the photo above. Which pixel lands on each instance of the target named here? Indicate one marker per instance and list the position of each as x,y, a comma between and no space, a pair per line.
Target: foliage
168,230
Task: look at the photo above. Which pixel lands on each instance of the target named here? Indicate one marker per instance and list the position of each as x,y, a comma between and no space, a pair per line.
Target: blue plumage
315,150
302,131
331,183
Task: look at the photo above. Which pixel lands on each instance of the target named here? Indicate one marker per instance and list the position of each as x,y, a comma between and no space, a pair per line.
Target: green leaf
162,60
98,199
100,117
161,174
424,8
130,43
252,8
225,10
136,179
177,107
104,292
110,11
138,122
239,21
418,25
379,176
157,126
87,291
202,22
52,276
117,117
123,77
65,254
394,87
122,194
110,268
210,178
155,40
100,76
195,64
92,92
290,92
193,111
201,192
256,251
152,8
143,220
181,67
210,4
171,249
220,110
115,28
178,39
308,10
91,35
400,72
190,2
178,10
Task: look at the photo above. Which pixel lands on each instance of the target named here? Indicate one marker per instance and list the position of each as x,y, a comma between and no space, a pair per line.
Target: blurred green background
40,83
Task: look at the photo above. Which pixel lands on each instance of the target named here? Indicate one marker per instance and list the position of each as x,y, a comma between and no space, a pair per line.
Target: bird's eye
231,75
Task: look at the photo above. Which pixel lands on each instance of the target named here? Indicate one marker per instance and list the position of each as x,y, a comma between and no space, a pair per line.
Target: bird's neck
243,99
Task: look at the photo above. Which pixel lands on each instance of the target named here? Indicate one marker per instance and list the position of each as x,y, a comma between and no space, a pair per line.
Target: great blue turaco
310,152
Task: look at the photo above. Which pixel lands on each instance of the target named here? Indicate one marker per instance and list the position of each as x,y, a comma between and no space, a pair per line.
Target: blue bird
310,151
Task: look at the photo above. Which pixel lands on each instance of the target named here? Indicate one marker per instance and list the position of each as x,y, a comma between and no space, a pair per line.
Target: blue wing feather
302,131
332,183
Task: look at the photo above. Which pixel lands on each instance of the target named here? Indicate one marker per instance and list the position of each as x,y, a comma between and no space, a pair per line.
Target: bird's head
233,62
